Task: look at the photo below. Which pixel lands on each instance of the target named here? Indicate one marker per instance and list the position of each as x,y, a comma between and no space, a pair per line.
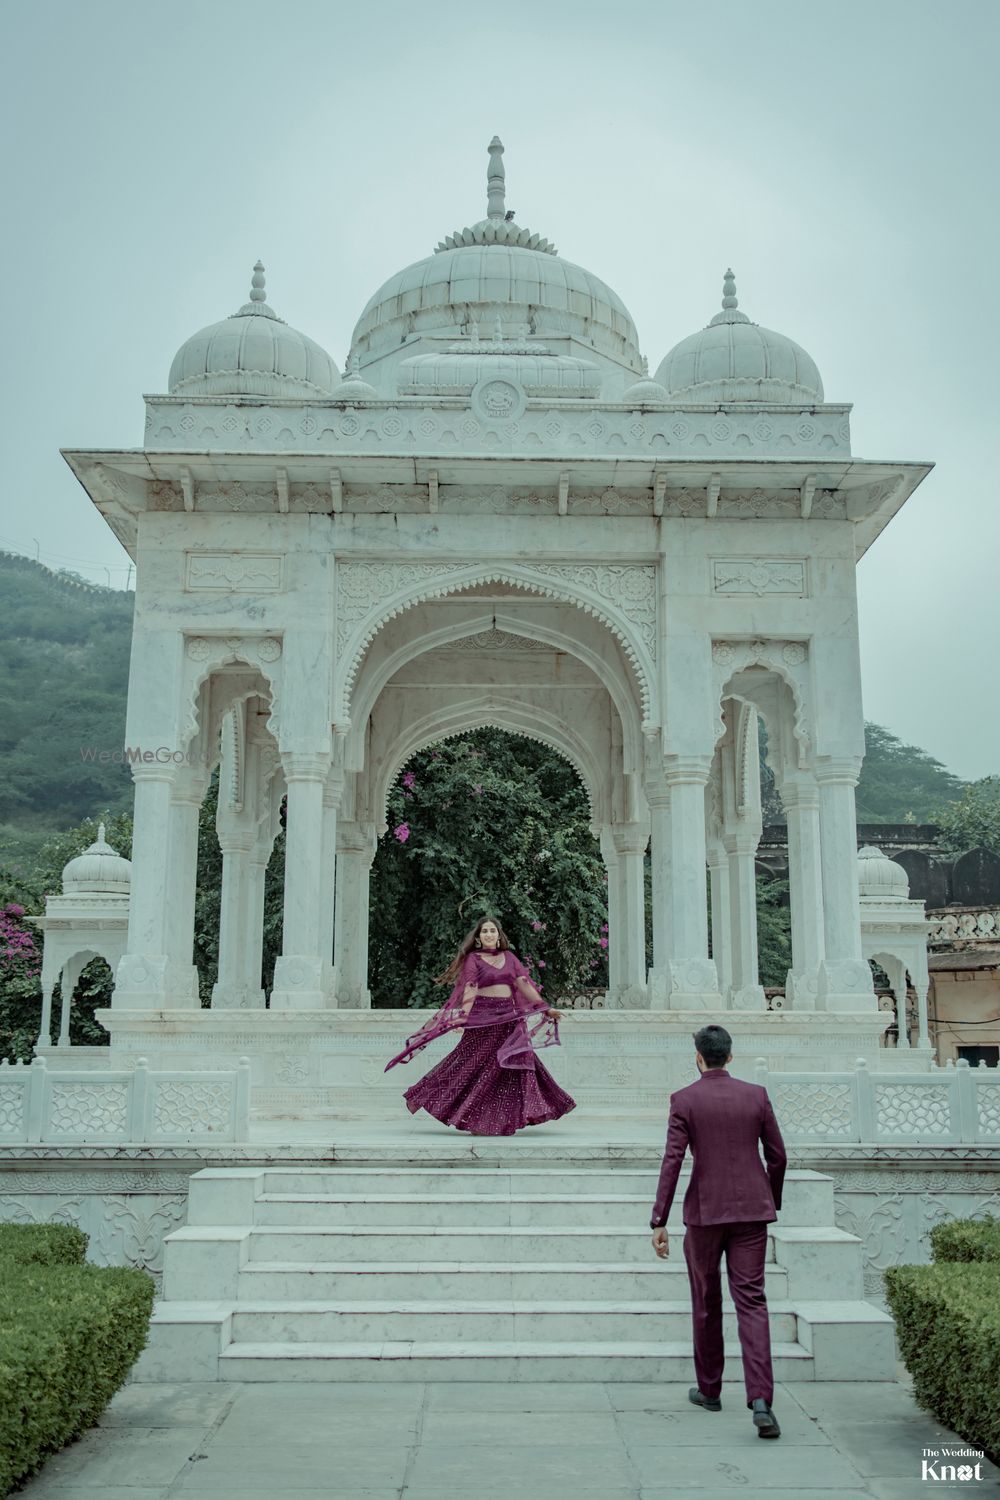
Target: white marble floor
541,1442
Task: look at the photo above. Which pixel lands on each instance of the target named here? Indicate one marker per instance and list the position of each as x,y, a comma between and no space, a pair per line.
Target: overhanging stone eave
868,527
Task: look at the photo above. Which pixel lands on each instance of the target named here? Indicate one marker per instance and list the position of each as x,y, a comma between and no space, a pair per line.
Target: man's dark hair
715,1044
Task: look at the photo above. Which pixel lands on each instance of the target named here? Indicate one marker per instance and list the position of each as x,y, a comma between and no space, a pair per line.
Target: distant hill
64,657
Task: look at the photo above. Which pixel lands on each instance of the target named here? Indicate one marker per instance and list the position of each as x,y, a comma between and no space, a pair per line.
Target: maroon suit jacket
722,1119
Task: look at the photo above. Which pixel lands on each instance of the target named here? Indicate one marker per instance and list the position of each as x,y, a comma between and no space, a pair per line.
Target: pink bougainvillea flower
536,926
410,779
541,963
603,942
14,910
604,926
402,832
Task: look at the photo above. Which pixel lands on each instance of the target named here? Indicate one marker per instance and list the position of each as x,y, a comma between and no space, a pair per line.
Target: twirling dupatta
517,1050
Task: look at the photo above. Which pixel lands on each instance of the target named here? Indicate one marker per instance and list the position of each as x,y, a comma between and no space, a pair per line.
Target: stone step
483,1209
480,1321
578,1242
649,1362
300,1281
227,1195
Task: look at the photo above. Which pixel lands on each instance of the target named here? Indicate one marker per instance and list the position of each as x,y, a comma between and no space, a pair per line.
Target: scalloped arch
228,652
481,713
770,660
438,585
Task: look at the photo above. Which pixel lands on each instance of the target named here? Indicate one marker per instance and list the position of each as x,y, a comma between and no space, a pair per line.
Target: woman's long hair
470,942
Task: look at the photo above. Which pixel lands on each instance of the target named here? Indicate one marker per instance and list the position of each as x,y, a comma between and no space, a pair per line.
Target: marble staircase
481,1272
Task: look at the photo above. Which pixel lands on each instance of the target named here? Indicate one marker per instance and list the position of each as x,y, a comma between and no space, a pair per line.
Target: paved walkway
385,1440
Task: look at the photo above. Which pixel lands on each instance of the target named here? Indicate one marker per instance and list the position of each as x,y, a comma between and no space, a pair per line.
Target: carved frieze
759,576
247,572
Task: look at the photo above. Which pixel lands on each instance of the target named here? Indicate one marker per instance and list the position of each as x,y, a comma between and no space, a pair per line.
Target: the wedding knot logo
951,1465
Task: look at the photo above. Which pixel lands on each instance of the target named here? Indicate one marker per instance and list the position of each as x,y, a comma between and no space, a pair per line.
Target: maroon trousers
744,1245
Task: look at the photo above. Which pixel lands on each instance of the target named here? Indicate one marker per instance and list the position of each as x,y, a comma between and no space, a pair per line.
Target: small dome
252,353
457,369
736,360
354,387
880,878
645,390
99,870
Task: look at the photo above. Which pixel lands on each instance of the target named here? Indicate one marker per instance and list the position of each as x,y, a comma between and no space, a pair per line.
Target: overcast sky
842,158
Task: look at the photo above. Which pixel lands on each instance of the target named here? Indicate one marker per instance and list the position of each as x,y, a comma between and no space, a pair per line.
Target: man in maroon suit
729,1203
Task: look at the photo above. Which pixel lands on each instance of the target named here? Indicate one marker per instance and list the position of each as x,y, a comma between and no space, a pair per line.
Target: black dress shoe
764,1419
710,1403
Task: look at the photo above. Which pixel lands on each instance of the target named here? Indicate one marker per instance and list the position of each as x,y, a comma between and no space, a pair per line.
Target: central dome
496,269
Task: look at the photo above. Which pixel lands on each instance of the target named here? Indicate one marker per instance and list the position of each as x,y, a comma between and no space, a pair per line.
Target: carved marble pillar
72,969
895,970
624,847
722,920
800,798
147,977
845,980
189,788
694,981
658,979
236,987
356,844
747,991
302,974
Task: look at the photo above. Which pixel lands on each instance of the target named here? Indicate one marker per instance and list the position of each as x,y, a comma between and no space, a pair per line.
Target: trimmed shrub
948,1325
43,1244
966,1239
69,1334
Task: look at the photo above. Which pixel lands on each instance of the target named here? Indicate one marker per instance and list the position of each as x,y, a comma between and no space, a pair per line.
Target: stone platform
325,1064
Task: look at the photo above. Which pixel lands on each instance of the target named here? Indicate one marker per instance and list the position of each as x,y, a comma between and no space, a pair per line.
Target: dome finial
495,186
257,292
729,299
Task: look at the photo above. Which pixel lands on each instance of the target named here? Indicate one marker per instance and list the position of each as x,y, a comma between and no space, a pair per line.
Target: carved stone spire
730,305
258,305
495,184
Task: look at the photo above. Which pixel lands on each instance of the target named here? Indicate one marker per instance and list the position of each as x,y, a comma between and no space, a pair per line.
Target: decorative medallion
496,400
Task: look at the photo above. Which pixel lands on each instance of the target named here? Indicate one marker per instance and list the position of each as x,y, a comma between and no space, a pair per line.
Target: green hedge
948,1325
43,1244
69,1334
966,1239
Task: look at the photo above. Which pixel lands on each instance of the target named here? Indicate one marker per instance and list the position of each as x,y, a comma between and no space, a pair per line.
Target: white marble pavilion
496,516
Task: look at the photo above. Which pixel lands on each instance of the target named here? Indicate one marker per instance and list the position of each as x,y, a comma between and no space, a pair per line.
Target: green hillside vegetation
63,686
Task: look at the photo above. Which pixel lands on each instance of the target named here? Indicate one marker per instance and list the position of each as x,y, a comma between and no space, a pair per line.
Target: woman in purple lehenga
491,1083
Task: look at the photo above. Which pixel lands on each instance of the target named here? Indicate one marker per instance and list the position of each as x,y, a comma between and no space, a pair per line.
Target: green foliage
973,821
487,822
63,683
774,931
900,783
948,1325
43,1244
69,1334
966,1239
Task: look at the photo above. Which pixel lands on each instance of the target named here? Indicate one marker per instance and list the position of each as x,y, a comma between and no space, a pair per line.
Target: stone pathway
511,1441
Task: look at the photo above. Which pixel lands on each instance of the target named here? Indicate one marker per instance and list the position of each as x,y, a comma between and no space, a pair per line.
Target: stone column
895,970
301,974
356,844
845,980
147,971
237,987
722,919
800,798
187,796
609,854
658,979
694,981
741,850
72,969
332,788
627,932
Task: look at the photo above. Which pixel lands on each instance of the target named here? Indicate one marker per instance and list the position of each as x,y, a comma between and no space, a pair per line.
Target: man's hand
661,1242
